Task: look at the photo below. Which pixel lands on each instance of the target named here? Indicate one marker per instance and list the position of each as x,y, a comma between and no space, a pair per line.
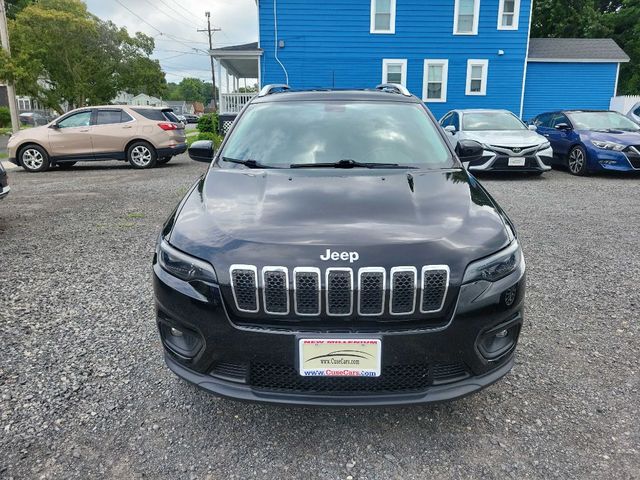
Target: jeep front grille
341,291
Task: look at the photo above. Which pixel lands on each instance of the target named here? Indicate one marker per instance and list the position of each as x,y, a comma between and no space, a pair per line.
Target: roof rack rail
393,88
269,89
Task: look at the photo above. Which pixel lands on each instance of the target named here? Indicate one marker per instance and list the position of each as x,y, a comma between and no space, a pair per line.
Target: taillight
168,126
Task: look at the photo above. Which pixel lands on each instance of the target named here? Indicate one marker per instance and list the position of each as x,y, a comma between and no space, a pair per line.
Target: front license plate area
517,161
335,357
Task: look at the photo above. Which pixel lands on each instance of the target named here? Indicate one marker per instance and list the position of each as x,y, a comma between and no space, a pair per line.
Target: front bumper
493,161
4,191
607,160
250,363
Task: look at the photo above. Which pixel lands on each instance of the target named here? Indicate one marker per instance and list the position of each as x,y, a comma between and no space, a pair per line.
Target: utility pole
11,93
210,31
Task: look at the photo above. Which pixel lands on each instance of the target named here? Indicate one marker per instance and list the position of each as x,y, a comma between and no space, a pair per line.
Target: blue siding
564,86
328,44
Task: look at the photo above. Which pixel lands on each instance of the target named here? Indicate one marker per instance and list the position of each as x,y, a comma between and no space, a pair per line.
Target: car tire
142,155
163,160
34,158
66,165
577,161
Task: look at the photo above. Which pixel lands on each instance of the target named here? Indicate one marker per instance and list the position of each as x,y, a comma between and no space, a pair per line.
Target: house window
477,77
24,104
434,88
394,71
383,16
465,17
508,14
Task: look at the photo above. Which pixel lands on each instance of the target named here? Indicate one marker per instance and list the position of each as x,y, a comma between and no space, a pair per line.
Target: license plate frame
517,161
339,357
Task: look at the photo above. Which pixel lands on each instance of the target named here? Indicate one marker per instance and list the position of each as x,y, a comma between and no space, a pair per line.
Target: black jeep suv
337,252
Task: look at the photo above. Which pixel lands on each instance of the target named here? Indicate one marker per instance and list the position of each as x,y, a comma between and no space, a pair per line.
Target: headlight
495,267
184,266
609,145
544,146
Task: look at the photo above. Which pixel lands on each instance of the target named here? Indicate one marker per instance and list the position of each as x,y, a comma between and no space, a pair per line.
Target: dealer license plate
517,161
331,357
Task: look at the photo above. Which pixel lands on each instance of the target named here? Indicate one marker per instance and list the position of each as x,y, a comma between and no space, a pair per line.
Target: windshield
602,121
480,121
281,134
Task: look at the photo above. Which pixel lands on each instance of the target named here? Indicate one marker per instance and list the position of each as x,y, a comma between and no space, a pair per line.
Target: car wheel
578,161
34,158
142,155
66,165
163,160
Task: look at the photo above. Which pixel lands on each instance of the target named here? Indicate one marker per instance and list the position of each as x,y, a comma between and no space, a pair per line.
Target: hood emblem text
329,255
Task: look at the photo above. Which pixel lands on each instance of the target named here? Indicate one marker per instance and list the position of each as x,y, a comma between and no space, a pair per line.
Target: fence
623,104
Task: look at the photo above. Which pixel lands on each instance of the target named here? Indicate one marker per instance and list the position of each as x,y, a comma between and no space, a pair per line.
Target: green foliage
214,137
617,19
191,90
62,53
5,117
208,123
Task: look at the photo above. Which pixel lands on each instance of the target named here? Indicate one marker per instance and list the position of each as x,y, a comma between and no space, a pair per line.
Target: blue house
451,53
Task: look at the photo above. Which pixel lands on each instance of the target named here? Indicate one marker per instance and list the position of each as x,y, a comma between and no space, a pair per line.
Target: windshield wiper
247,163
348,163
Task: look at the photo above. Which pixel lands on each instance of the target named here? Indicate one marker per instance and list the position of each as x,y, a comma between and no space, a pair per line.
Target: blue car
591,141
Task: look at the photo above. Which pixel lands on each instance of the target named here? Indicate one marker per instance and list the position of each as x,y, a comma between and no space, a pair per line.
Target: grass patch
4,155
182,191
135,215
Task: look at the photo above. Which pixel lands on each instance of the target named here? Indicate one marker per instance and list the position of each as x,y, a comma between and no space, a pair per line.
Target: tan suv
143,136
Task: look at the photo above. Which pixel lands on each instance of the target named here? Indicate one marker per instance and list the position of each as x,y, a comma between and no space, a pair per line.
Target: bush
5,117
214,137
208,123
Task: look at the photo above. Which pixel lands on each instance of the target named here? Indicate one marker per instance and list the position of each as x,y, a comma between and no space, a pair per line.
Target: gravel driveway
85,393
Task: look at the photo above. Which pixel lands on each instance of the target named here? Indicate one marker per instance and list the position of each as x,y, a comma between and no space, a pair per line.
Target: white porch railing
234,102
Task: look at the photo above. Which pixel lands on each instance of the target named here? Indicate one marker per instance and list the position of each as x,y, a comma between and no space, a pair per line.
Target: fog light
498,341
176,333
181,341
502,334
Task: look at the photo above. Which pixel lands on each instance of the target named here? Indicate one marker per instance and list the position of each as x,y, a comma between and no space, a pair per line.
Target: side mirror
54,126
450,129
563,126
469,151
202,151
533,128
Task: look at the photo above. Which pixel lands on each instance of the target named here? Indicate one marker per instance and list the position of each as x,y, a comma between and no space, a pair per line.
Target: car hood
507,138
617,136
291,217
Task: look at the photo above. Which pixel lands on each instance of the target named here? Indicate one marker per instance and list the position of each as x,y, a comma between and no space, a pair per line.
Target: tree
189,89
63,54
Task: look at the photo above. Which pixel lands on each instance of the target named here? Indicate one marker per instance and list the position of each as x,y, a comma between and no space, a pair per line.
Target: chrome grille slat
371,291
275,290
434,287
306,285
244,285
403,290
339,288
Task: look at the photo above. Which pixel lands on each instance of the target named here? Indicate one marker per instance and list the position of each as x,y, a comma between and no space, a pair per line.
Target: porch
238,71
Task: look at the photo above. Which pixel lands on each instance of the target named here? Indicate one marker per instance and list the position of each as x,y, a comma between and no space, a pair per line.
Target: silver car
509,145
634,113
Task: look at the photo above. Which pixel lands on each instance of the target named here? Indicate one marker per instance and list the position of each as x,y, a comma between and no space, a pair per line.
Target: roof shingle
577,49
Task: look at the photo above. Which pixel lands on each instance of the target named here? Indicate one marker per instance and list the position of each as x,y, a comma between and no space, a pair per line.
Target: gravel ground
85,393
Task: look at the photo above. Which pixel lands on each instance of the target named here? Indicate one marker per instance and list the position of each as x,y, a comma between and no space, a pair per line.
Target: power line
176,11
172,17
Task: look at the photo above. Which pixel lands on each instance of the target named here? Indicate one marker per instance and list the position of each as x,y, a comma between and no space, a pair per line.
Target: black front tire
163,160
142,155
577,161
34,158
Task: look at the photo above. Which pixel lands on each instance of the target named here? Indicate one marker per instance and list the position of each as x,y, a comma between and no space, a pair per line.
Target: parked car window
446,120
80,119
558,119
637,111
156,114
543,120
106,117
455,121
484,121
603,121
284,133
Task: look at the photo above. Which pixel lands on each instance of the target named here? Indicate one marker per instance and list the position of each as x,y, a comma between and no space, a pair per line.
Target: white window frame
392,20
485,74
476,18
394,61
445,79
516,16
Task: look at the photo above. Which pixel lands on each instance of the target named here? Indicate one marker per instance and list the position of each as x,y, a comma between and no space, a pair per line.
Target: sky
173,24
